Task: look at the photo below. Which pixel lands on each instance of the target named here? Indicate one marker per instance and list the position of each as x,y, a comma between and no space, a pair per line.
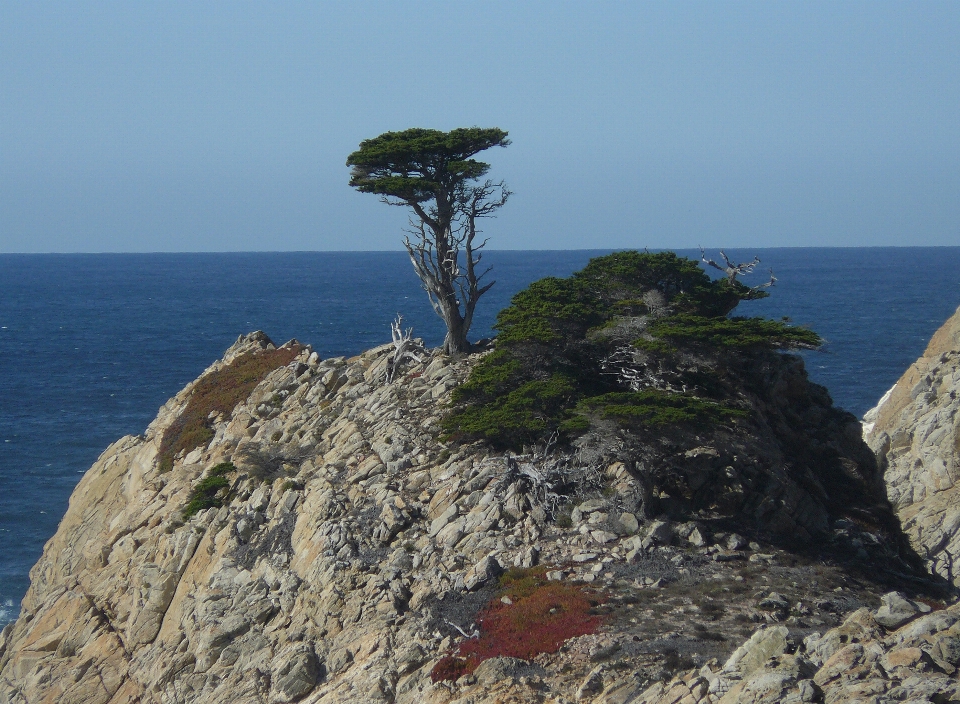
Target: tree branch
731,270
771,282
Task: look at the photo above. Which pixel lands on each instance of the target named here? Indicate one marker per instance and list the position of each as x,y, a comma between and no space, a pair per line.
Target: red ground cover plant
220,391
542,616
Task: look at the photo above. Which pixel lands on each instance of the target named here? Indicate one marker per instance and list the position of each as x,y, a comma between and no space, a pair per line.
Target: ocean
91,345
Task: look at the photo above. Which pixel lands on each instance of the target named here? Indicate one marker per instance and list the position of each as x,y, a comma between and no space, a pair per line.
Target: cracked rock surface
353,548
858,661
915,431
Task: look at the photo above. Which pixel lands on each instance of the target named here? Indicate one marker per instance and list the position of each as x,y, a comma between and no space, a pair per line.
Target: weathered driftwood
406,349
546,479
475,633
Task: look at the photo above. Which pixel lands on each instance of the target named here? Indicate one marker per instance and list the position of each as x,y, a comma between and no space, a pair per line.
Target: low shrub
451,668
673,661
543,614
219,392
703,633
210,492
268,461
520,415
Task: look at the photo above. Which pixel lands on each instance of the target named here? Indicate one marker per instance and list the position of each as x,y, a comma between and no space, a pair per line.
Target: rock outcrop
858,661
319,541
915,432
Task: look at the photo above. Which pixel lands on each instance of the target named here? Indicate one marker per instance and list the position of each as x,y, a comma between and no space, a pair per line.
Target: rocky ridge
354,549
901,652
915,432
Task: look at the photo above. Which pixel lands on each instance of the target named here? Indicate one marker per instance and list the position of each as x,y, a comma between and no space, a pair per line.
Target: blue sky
202,126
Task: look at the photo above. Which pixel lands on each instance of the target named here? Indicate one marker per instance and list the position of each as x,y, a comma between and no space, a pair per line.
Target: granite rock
915,432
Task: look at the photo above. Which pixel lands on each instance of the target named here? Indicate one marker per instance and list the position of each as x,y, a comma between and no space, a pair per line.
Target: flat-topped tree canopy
418,165
432,173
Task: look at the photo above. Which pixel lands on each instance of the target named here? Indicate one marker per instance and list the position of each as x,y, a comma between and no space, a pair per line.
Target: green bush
211,491
548,311
521,414
547,373
267,461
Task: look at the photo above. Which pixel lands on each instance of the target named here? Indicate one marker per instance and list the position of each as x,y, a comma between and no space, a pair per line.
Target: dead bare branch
473,634
632,370
406,349
771,282
730,269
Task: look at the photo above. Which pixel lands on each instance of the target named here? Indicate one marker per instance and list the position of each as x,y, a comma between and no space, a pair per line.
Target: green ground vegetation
720,332
211,491
652,407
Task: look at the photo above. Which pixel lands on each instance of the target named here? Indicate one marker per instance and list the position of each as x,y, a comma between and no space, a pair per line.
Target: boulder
591,685
295,675
660,532
896,610
592,505
763,645
488,568
629,522
495,670
697,538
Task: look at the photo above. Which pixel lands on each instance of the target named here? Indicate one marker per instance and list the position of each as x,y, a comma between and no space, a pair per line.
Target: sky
214,126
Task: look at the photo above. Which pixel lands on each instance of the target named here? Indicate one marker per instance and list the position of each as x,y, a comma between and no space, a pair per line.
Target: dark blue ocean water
92,345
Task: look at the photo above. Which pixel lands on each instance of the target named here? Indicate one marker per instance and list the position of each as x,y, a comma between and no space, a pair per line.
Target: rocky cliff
915,431
297,529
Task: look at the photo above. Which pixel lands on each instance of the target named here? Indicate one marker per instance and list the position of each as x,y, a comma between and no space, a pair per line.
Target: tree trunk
455,342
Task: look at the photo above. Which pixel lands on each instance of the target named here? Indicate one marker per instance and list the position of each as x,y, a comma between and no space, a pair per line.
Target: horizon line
400,251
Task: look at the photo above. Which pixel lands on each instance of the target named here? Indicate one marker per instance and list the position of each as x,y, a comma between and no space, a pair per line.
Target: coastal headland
291,528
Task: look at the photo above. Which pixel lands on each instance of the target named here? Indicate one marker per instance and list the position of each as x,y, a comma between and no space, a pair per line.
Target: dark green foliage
618,277
547,372
732,332
522,414
548,310
655,346
416,164
210,492
496,372
652,407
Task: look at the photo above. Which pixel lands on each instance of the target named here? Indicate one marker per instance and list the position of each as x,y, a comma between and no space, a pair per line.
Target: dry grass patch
219,392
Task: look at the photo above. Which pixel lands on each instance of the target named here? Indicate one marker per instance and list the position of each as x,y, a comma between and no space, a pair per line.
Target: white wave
870,417
6,612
